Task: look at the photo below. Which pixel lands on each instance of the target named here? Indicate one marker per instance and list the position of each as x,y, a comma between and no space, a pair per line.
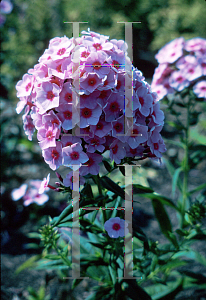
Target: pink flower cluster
30,193
79,86
182,64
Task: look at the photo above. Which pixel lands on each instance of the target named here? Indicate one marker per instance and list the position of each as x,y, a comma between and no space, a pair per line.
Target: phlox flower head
115,227
76,98
182,64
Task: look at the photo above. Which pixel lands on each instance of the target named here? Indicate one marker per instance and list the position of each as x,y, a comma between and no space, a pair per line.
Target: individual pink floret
145,100
53,156
28,126
68,115
115,227
74,155
17,194
178,80
68,140
95,143
70,179
157,148
200,89
44,184
90,116
117,151
47,97
91,166
114,106
47,136
171,51
24,86
140,135
89,82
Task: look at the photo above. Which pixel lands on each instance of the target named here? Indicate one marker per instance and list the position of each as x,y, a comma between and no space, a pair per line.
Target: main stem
185,167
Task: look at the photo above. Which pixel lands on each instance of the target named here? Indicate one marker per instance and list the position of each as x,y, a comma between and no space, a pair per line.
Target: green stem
185,168
96,180
63,257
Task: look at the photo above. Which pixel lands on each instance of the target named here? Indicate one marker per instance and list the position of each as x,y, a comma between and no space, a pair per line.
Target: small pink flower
47,97
70,179
200,89
44,185
24,86
115,227
74,155
53,156
17,194
92,165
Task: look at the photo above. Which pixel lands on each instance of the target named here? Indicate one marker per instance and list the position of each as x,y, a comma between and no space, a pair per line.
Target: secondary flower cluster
30,193
84,97
182,64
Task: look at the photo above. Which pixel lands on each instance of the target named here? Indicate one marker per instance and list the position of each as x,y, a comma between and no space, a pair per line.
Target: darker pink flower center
97,46
61,51
114,149
50,95
141,100
49,135
118,127
92,81
68,97
156,146
114,106
116,226
96,65
28,86
86,112
74,155
55,154
67,115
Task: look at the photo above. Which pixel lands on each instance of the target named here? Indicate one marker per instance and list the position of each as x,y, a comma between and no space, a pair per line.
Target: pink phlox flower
24,86
200,89
195,44
178,80
120,86
118,128
90,100
28,126
115,227
139,118
98,44
17,194
157,148
162,72
47,97
70,179
117,151
114,106
22,103
80,54
95,143
44,184
55,69
65,96
157,115
145,100
47,136
32,196
154,133
102,128
84,132
51,119
96,63
90,116
160,90
68,115
136,135
61,49
90,82
74,155
118,60
53,156
36,117
202,63
134,152
119,44
68,140
171,51
91,166
103,97
110,82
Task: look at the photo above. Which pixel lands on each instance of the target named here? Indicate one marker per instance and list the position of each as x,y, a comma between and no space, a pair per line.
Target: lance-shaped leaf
110,185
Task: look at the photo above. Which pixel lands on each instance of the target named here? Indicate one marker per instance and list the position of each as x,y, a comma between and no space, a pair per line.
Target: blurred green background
32,23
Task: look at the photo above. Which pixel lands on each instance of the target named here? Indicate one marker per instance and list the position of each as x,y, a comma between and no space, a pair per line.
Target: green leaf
110,185
76,282
113,275
175,179
140,189
191,254
165,292
171,170
162,199
107,166
200,187
198,277
50,265
162,217
29,263
122,170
